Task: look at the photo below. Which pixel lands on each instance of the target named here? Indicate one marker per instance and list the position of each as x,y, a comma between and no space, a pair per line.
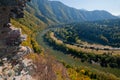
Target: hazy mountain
55,11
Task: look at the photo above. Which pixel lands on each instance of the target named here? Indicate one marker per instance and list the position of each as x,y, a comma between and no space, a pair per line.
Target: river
68,58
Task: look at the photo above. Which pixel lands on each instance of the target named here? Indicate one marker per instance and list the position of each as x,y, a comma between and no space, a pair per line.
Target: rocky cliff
12,64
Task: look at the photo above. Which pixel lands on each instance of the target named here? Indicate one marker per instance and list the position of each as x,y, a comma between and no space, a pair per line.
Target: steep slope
45,65
55,11
41,11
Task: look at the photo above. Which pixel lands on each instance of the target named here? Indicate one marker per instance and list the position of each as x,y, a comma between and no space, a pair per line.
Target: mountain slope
32,24
55,11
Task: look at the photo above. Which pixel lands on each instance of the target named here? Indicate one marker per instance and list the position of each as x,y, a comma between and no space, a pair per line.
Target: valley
91,31
50,40
69,59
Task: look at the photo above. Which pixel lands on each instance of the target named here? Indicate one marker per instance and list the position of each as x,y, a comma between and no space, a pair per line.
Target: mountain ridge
57,12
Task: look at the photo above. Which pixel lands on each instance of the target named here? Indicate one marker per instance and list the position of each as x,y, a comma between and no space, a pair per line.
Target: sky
112,6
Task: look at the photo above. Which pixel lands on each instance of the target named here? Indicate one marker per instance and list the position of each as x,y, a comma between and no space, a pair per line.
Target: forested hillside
102,32
55,12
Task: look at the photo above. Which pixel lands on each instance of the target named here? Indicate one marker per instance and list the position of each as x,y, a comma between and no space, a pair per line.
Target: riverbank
69,59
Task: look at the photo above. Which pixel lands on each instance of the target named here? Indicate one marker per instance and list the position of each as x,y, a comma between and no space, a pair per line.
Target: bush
35,46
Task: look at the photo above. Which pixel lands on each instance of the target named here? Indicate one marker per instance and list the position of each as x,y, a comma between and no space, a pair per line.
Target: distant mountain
55,12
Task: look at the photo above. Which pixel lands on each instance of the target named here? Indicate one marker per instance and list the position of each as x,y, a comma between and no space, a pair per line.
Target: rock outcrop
16,70
12,64
10,40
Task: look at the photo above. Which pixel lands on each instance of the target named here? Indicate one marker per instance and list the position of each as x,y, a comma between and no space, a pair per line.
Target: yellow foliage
82,71
76,75
25,30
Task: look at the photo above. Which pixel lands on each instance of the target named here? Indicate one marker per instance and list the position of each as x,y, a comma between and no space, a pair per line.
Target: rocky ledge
16,70
12,64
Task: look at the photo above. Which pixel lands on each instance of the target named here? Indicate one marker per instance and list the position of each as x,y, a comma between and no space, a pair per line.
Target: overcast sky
112,6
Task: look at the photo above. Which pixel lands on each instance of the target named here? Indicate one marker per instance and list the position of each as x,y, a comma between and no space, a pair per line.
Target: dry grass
47,68
55,39
88,50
